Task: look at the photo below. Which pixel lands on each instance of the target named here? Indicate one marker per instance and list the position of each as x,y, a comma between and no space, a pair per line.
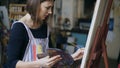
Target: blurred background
70,26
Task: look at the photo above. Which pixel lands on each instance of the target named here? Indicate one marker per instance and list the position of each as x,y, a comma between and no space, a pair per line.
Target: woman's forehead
47,3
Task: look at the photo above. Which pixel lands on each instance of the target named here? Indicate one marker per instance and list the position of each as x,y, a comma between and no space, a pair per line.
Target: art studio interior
70,27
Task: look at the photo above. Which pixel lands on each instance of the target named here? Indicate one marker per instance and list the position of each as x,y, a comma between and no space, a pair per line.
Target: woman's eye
47,8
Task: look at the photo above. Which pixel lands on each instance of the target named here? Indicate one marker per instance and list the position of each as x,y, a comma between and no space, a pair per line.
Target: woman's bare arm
78,54
43,62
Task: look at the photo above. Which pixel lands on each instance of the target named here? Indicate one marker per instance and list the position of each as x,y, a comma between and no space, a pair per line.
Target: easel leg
104,54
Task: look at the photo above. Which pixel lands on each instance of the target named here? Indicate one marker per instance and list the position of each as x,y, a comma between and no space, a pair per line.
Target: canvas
97,34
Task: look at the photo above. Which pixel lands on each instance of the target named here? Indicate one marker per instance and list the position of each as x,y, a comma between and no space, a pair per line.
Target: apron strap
30,35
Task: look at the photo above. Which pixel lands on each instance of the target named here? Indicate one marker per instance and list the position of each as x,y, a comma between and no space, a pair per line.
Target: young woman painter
35,23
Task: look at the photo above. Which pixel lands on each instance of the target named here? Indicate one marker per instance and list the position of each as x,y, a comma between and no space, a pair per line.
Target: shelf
17,5
16,11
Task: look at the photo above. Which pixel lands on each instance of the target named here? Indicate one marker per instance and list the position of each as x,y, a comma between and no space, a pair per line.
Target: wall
68,10
5,19
80,9
113,38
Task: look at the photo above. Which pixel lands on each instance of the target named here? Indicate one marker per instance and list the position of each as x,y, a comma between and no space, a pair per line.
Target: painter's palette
66,57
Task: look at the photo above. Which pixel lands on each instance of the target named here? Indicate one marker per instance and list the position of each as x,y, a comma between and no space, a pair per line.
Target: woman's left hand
78,54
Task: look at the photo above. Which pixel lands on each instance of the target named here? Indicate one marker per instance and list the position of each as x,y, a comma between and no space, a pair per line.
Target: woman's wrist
78,54
73,56
33,64
37,64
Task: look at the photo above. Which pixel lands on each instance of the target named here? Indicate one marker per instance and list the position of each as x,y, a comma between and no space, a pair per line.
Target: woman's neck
29,22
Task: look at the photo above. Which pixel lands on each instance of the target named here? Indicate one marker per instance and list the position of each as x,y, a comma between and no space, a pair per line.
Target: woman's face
45,9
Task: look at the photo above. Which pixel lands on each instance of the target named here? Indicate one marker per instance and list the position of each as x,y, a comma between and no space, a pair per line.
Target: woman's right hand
45,62
48,62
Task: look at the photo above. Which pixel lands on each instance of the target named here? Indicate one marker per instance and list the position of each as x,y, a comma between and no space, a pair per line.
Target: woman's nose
50,11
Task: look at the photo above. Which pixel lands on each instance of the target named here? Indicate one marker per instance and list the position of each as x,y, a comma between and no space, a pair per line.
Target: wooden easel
98,49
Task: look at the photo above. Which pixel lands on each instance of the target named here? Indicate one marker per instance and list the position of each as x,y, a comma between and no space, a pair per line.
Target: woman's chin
45,18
